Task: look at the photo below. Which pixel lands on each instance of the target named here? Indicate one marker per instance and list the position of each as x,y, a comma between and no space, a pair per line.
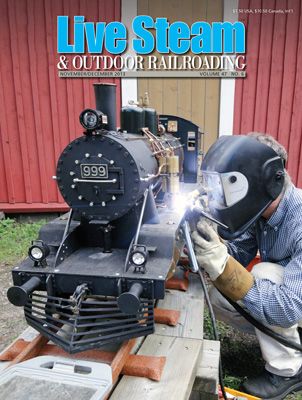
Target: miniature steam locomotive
92,277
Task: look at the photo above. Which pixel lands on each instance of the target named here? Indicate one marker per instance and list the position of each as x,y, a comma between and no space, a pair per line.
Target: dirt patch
12,321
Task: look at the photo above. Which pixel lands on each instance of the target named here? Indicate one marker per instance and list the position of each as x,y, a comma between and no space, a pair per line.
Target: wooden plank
290,67
175,343
249,97
174,8
70,10
33,207
44,131
116,16
57,133
36,98
155,86
184,106
294,165
61,95
38,148
6,176
207,376
264,65
31,350
28,335
212,87
191,306
120,358
185,97
275,88
15,14
182,357
240,83
198,92
29,124
275,108
190,324
6,182
143,83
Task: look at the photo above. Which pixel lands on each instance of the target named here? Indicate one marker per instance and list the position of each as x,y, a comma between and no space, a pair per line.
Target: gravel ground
12,321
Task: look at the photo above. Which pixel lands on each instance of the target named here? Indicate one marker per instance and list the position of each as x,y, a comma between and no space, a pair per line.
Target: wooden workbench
181,345
184,348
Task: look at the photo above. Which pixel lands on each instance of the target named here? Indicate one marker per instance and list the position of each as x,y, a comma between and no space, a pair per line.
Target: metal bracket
134,242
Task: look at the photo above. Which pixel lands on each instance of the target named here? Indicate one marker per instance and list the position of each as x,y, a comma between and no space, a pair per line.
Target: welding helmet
241,178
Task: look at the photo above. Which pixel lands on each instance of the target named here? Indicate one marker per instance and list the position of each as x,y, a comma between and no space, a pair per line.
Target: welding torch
196,207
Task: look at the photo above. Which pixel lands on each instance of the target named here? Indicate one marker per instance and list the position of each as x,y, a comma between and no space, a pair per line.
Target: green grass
232,382
240,353
222,329
294,396
15,239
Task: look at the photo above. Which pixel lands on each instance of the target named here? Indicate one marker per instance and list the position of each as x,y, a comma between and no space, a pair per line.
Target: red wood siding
270,98
38,111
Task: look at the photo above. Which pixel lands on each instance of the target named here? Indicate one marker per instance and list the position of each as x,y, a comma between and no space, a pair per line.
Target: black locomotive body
93,276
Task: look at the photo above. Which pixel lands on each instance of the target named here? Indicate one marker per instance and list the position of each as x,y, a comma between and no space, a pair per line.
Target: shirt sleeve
279,305
244,248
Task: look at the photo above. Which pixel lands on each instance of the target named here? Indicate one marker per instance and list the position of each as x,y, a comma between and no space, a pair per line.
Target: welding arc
263,328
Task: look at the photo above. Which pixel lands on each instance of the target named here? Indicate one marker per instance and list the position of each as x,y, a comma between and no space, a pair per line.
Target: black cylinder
129,302
105,99
151,120
132,119
18,295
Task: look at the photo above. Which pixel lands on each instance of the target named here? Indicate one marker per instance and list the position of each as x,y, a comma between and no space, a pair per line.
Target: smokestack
105,99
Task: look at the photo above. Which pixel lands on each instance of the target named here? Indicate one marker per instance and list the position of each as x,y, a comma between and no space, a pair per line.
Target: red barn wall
38,111
270,98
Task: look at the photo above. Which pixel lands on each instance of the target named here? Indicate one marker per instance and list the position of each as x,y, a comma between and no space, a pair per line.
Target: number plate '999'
90,171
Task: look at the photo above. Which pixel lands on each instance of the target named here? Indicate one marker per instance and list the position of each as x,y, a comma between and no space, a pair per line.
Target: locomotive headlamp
138,256
92,119
38,252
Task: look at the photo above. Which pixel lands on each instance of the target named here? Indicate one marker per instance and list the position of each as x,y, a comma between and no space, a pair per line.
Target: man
258,209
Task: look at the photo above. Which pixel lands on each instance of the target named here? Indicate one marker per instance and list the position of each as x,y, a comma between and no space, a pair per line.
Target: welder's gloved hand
211,253
227,274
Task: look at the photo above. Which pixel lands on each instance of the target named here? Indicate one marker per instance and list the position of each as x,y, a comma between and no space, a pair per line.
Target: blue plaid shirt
279,240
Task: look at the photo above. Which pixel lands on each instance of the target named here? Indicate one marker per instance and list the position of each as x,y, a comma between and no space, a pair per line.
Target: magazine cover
150,175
